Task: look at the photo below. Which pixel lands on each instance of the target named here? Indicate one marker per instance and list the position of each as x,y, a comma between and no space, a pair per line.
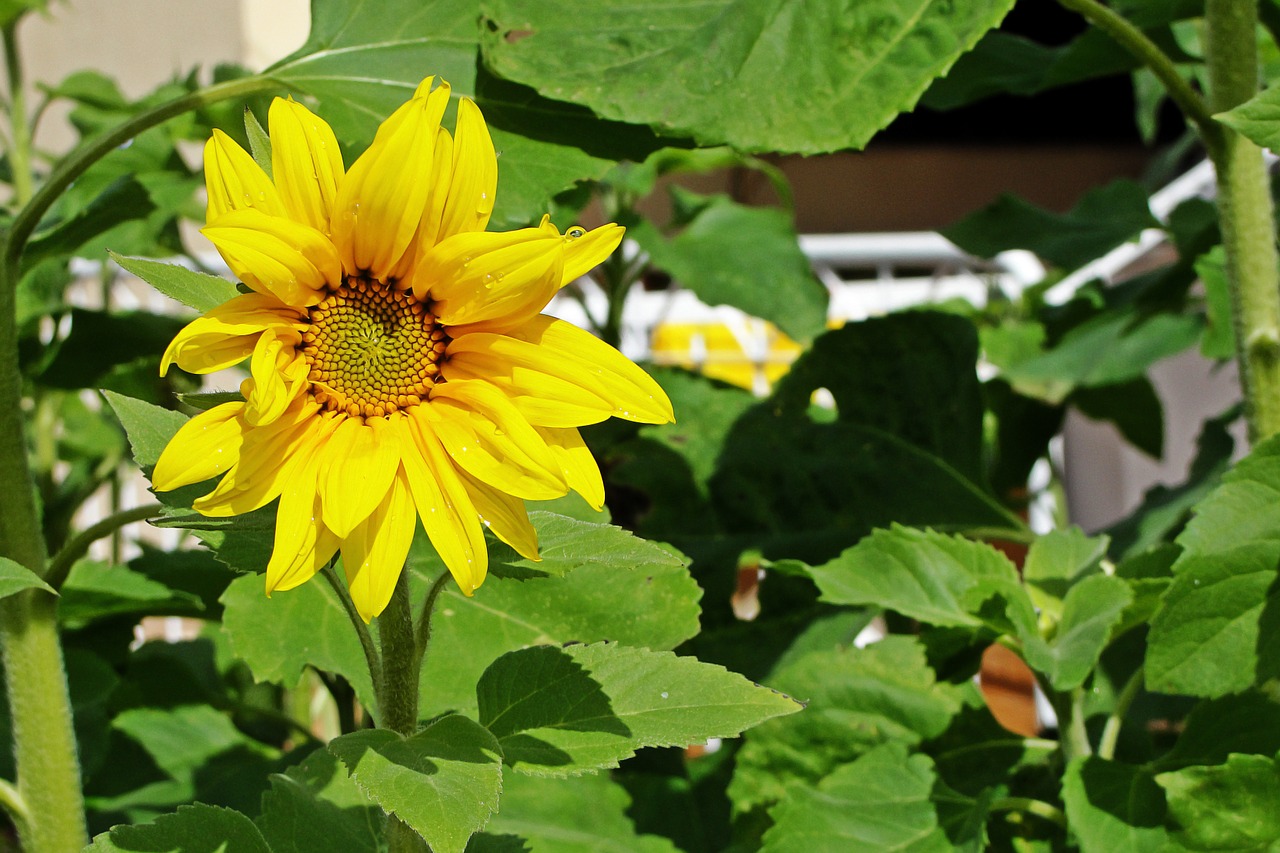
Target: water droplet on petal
574,233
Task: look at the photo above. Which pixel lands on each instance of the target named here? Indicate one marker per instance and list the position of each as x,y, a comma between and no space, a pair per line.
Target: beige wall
143,43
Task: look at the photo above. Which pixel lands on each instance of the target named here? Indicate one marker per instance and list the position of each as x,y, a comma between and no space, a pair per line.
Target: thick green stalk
44,742
20,144
1245,212
398,699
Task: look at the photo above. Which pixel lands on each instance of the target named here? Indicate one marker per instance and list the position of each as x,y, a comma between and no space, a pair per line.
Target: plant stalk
20,144
398,699
1246,213
62,562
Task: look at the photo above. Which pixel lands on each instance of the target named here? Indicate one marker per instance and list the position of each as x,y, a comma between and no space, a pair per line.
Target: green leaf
1219,629
95,590
443,781
363,59
1114,347
1134,408
879,802
806,78
278,637
192,829
1104,218
1219,339
124,199
1113,806
747,257
149,427
855,700
1056,561
548,815
940,580
259,141
1090,611
15,577
1257,119
905,443
316,806
100,342
563,711
197,290
594,582
1216,728
1233,806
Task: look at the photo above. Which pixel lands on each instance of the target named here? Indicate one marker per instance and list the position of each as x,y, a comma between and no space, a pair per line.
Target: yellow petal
505,515
305,162
443,503
579,466
432,210
583,253
204,447
357,469
269,457
559,375
474,180
235,182
497,278
227,334
381,200
302,543
374,554
275,255
485,436
279,375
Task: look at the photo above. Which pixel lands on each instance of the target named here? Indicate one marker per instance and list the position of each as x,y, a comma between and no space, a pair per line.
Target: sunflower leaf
315,805
197,290
443,781
563,711
799,77
595,582
192,829
15,577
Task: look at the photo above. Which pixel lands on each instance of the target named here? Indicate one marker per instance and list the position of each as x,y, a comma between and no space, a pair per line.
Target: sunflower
399,366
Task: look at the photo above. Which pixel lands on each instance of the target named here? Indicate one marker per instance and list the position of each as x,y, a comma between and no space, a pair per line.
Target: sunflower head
399,366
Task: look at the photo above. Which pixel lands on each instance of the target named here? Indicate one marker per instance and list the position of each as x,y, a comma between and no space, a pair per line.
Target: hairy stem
398,701
423,631
1039,808
371,658
20,144
1246,213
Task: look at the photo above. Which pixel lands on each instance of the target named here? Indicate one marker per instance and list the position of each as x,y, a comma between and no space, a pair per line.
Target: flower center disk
372,349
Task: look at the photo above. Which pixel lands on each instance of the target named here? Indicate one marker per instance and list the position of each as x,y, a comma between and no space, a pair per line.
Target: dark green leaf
1113,806
193,829
562,711
855,699
123,200
99,341
96,590
1103,219
807,77
1244,723
1233,806
149,427
747,257
1132,406
197,290
316,806
443,781
278,637
15,577
594,582
548,815
879,802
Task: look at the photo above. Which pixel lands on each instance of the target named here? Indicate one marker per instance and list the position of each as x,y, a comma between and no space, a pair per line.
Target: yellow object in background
749,353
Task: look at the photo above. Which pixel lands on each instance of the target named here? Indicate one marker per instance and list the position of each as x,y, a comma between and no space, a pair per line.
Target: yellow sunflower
399,365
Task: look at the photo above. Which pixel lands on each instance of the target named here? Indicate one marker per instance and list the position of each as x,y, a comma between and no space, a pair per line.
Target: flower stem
398,701
1246,213
423,632
1111,731
62,562
371,658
